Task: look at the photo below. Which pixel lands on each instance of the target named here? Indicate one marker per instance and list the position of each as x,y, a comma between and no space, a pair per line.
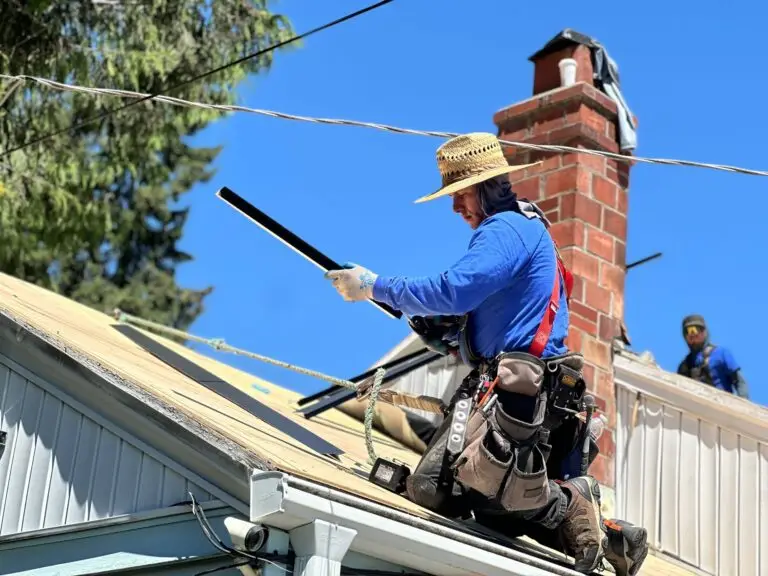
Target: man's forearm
452,293
421,296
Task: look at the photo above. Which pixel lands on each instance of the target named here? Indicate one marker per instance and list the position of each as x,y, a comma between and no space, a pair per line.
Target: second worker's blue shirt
722,365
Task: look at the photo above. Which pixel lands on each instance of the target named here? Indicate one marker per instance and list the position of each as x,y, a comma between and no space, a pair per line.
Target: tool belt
505,458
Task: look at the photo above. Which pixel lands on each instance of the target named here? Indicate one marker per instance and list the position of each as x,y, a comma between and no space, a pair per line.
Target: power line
108,113
377,126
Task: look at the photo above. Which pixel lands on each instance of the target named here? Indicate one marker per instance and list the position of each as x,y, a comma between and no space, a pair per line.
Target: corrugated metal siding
61,467
438,379
699,488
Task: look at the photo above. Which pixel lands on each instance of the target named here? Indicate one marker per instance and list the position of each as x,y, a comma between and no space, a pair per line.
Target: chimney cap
568,37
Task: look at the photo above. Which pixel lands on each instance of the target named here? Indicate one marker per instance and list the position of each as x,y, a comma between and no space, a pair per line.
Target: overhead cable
375,125
87,121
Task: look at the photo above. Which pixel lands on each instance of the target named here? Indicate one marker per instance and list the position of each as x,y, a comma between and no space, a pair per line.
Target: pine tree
93,213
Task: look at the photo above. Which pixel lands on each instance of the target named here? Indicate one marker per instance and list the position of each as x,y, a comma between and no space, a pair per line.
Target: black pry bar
344,394
289,239
360,377
229,392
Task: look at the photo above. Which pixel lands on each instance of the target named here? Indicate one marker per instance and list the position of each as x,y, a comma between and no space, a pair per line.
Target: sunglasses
692,331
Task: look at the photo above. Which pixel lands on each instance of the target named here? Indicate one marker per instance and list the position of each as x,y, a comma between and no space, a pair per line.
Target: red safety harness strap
545,327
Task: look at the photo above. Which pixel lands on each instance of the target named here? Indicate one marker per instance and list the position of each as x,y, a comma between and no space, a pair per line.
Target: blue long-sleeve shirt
723,369
504,281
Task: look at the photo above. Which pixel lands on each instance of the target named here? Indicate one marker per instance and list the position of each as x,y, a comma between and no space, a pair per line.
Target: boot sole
634,541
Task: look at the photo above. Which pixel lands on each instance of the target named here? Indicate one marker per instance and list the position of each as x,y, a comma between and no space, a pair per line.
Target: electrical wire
217,543
209,533
103,115
377,126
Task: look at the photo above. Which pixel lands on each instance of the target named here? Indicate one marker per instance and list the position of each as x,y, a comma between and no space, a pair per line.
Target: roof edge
217,460
388,534
707,403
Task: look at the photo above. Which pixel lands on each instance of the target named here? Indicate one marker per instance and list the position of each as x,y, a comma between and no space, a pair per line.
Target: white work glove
354,283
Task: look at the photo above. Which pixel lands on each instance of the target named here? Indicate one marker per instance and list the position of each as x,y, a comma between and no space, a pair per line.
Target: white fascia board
287,502
705,402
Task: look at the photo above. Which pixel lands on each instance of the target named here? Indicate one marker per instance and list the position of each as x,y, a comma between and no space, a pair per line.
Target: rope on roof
221,345
385,127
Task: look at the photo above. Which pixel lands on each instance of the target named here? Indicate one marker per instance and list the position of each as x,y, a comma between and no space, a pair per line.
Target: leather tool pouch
506,458
520,373
527,485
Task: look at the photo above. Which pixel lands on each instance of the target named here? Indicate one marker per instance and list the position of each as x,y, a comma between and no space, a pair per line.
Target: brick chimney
585,197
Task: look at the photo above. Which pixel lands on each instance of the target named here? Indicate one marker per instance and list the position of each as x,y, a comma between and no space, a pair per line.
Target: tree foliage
94,213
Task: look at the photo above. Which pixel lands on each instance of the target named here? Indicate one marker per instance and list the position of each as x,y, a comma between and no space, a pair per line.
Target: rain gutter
287,502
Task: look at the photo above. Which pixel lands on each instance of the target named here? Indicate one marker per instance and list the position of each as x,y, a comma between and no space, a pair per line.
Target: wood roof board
224,389
79,331
90,337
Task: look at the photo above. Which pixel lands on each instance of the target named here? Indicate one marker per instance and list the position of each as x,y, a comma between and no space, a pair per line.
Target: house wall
64,464
692,468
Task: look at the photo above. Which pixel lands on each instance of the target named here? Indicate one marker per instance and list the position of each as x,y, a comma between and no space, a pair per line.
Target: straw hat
469,159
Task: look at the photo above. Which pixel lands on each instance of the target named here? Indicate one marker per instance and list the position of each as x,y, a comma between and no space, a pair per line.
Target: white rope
385,127
378,379
219,344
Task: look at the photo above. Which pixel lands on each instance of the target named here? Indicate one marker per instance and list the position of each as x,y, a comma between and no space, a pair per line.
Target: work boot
625,547
581,528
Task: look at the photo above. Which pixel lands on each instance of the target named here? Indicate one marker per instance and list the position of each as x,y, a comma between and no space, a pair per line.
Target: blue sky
690,72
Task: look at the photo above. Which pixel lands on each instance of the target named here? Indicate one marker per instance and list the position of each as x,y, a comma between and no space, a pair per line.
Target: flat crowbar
290,239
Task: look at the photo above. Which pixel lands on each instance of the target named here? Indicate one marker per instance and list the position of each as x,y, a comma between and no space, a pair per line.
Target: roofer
508,294
709,363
